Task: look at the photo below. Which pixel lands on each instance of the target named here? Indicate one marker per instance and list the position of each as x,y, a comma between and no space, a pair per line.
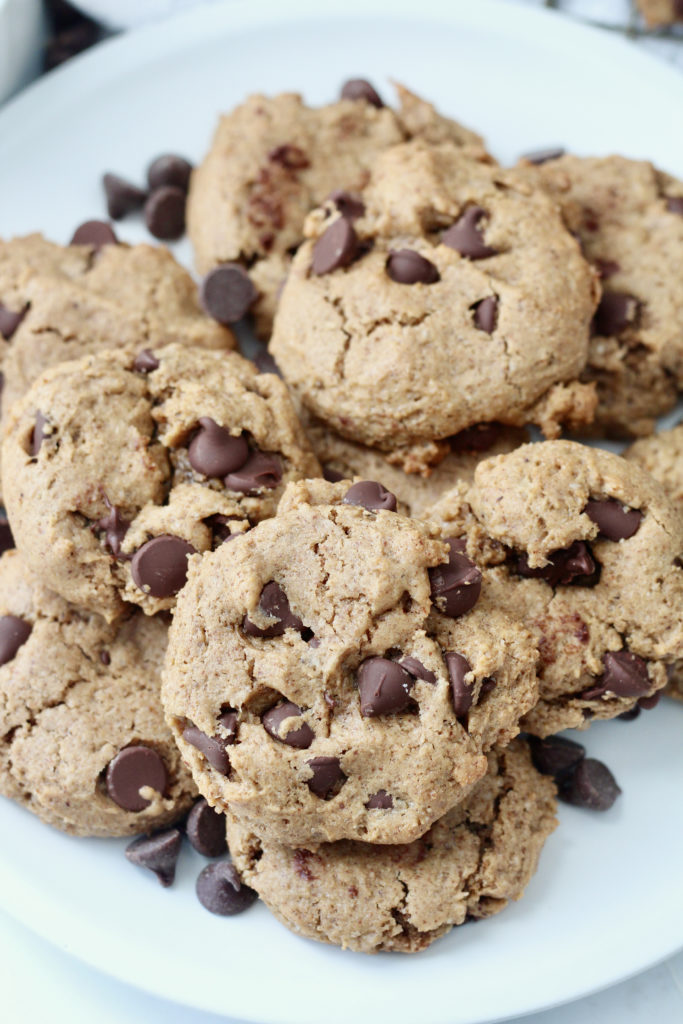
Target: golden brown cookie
661,12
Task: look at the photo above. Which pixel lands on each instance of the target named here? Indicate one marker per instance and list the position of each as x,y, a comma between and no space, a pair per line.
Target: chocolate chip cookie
337,672
457,297
84,743
119,467
585,548
273,160
661,12
468,866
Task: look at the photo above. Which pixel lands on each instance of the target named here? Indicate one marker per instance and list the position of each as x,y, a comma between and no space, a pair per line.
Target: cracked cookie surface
312,686
74,694
118,467
469,865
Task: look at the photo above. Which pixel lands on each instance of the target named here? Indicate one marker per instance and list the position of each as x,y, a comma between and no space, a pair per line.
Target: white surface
21,37
607,900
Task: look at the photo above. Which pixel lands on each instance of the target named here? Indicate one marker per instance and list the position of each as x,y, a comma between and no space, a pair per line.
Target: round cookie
628,217
457,298
80,717
468,866
274,159
118,467
585,549
309,678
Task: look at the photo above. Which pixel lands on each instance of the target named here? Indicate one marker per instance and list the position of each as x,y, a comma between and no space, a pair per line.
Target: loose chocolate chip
456,585
227,292
6,538
360,89
335,248
370,495
486,314
94,232
159,567
169,169
555,755
214,747
674,204
157,853
214,451
327,778
115,528
122,196
380,801
38,434
165,213
405,266
574,564
615,520
625,674
221,890
10,320
105,657
300,738
384,687
13,633
273,602
206,830
648,703
466,236
461,692
614,314
591,784
289,156
349,205
259,472
543,156
131,769
417,669
478,438
606,268
146,361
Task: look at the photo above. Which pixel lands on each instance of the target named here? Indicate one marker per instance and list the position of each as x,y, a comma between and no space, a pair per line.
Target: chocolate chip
331,475
9,320
335,248
115,528
543,156
214,747
461,692
6,538
206,830
477,438
615,520
606,268
466,236
590,785
384,687
574,564
405,266
221,890
157,853
94,232
122,196
159,567
380,801
486,314
417,669
220,527
360,89
273,602
289,156
129,771
625,674
38,434
648,703
146,361
259,472
456,585
300,738
327,778
630,715
169,169
265,363
165,213
227,292
555,755
349,205
13,633
105,657
370,495
617,310
674,204
214,451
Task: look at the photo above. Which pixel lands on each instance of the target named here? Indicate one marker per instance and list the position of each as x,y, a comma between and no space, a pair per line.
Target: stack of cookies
349,607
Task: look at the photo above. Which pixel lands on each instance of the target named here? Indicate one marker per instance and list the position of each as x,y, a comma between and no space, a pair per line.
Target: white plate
608,898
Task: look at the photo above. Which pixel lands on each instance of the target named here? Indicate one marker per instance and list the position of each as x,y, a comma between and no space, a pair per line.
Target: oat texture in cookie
273,160
84,743
585,548
470,864
628,217
118,468
457,298
337,672
661,12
